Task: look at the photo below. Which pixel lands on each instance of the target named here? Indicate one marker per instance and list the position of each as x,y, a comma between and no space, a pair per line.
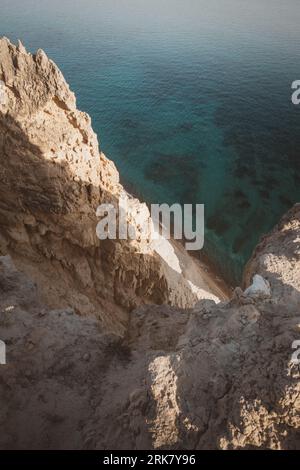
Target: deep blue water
191,99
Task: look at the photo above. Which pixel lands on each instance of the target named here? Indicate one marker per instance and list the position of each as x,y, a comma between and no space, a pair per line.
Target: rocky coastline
126,344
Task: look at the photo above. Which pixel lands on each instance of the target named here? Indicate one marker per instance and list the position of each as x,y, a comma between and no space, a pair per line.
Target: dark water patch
270,182
217,223
287,202
177,172
239,194
186,127
129,123
239,243
241,199
264,193
244,169
296,178
255,182
243,205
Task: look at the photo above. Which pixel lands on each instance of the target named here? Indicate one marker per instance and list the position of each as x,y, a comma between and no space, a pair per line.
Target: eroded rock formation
53,178
80,373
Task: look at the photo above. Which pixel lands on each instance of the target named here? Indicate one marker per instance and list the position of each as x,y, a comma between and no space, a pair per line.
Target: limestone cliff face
53,178
218,375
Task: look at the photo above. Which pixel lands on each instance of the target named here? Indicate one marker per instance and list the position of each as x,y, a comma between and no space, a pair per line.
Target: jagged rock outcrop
223,376
212,376
52,180
277,259
215,376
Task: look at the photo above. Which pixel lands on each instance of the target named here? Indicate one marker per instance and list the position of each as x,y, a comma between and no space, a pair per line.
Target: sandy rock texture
83,373
215,376
218,376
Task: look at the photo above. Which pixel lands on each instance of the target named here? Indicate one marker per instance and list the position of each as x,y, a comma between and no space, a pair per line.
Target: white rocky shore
91,362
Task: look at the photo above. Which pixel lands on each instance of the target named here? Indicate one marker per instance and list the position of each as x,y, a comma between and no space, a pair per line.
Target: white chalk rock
259,287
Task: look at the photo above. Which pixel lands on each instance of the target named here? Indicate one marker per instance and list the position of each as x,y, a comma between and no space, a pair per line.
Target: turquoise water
191,99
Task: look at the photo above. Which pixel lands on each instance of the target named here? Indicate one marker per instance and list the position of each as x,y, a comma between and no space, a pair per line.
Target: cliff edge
53,177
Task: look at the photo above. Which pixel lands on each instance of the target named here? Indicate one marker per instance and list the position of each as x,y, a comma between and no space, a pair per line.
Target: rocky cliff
53,177
83,373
